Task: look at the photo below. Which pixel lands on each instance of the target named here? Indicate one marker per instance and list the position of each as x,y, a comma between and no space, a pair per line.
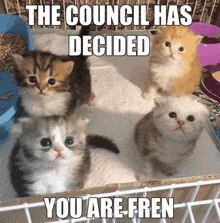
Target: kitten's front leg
38,188
165,168
150,94
169,170
92,100
146,173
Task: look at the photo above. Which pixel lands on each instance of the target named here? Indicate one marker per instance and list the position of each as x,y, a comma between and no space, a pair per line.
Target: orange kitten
174,66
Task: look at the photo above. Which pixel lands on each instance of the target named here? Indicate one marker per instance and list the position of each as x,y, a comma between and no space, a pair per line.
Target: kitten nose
58,149
181,123
41,88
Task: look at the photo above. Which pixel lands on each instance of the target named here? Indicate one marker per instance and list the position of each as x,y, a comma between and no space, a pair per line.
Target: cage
196,199
202,11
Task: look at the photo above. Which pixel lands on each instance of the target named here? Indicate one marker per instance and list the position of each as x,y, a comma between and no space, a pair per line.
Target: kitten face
42,74
176,43
179,117
53,139
44,83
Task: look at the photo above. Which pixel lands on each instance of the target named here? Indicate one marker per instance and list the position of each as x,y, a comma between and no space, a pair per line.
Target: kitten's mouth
171,56
41,93
179,129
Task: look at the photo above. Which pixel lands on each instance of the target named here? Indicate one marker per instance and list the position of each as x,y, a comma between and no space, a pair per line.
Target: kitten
168,134
51,155
50,84
174,66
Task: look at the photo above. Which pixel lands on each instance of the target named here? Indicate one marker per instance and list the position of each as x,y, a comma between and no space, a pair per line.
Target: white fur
151,94
55,180
57,135
169,151
183,106
44,105
165,73
167,65
174,144
51,174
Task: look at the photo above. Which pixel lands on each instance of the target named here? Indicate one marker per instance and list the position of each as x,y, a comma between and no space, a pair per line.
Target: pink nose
59,154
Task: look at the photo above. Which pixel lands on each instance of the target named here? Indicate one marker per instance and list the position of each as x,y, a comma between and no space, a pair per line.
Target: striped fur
36,169
71,87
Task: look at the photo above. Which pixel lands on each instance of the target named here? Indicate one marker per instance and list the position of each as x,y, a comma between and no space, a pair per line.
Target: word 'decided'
109,45
110,207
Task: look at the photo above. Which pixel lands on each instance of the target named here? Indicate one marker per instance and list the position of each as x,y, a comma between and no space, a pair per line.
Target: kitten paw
169,172
148,96
94,102
92,96
142,178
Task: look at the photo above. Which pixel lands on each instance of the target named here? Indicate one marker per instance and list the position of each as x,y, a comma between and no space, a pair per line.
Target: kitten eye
172,115
51,81
167,44
181,49
46,142
190,118
32,79
69,141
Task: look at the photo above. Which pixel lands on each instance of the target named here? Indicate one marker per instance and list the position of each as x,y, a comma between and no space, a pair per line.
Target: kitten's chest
54,104
169,151
165,74
59,179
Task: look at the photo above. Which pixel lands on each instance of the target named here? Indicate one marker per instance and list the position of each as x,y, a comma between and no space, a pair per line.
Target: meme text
125,15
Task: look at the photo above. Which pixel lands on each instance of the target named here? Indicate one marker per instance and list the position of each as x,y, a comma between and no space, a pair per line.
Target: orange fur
189,80
45,68
178,34
171,70
50,84
62,69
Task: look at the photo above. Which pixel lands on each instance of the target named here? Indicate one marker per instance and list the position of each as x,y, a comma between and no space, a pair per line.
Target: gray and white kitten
50,155
168,134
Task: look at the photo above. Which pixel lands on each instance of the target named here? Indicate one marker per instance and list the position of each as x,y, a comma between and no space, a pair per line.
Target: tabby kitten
51,85
168,134
174,66
50,155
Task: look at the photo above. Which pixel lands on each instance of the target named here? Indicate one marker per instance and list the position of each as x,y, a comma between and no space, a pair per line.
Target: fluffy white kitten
168,134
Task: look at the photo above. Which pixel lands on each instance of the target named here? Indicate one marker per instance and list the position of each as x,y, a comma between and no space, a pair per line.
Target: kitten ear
83,122
160,28
17,59
199,39
18,127
69,65
159,101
